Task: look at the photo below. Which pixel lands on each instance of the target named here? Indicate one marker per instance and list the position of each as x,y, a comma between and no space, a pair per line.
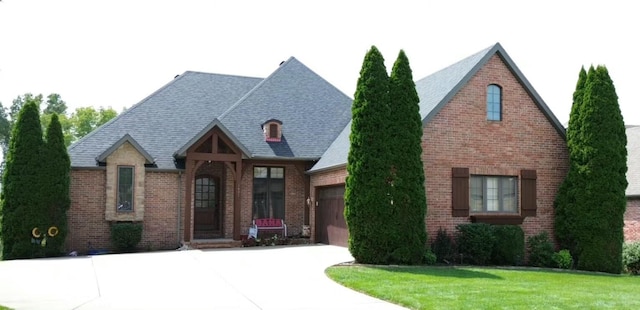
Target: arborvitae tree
367,196
565,207
407,173
600,199
56,191
21,184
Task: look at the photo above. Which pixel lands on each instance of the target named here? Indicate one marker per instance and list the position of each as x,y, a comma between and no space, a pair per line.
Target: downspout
179,206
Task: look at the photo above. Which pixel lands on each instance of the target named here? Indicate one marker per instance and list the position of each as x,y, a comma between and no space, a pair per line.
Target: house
632,214
201,157
493,152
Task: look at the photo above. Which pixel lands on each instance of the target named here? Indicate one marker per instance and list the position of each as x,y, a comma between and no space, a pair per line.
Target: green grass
490,288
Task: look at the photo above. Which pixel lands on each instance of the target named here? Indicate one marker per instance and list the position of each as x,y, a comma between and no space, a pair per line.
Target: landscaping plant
540,250
509,245
475,243
631,257
125,236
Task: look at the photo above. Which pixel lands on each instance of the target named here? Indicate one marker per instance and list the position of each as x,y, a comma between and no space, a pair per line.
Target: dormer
272,130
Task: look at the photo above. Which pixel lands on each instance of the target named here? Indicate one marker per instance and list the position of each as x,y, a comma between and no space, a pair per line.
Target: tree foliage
367,199
21,185
385,200
591,202
407,174
565,204
601,196
56,195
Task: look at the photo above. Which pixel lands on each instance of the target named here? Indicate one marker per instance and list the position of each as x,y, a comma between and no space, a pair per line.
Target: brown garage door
331,227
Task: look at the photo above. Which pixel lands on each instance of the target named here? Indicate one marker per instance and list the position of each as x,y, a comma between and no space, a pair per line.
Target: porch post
187,200
236,200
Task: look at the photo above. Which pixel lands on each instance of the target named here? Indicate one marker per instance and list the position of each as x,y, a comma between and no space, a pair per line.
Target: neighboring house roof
633,161
169,121
435,91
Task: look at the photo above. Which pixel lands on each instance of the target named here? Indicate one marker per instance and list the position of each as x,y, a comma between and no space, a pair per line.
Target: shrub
540,250
475,243
631,257
429,257
562,259
509,245
443,247
125,236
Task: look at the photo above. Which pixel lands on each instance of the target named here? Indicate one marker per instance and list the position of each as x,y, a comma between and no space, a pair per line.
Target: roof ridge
254,89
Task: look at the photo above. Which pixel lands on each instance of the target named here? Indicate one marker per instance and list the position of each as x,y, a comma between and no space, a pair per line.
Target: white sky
115,53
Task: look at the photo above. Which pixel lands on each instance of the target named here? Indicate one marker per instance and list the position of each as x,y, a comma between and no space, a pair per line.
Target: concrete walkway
244,278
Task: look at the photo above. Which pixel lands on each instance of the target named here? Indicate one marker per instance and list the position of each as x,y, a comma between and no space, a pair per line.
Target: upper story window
494,103
125,188
494,194
272,130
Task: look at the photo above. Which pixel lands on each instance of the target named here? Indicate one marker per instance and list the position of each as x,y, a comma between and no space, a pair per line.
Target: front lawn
490,288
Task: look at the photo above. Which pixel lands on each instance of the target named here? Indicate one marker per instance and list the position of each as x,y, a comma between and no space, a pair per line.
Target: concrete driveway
244,278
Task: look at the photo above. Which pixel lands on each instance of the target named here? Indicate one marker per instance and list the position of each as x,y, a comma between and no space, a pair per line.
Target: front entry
207,203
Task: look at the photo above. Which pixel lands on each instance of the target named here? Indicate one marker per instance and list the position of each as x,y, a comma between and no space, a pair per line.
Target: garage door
331,228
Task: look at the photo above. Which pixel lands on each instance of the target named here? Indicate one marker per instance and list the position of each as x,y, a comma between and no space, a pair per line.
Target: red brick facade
632,220
164,199
460,136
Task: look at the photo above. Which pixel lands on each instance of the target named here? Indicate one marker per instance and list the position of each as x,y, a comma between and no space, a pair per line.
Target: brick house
632,215
201,157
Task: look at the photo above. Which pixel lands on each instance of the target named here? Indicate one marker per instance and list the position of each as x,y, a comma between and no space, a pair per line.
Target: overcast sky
115,53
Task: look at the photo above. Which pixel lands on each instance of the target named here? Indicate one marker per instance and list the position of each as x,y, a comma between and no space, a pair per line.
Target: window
268,192
206,192
494,194
125,188
494,103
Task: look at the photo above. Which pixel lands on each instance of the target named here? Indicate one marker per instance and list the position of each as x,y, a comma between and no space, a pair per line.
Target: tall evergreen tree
407,173
565,207
600,199
56,192
21,184
367,198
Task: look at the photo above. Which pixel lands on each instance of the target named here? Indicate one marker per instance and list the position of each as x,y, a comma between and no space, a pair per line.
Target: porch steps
202,244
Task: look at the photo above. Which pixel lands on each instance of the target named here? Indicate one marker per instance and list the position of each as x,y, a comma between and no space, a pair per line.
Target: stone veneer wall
125,155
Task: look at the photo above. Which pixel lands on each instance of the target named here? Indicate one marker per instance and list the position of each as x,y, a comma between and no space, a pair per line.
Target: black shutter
460,192
529,199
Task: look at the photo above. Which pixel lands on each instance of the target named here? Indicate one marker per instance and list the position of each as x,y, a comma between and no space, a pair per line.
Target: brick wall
88,228
460,136
632,220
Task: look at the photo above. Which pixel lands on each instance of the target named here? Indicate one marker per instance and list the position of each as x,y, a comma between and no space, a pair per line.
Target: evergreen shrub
631,257
540,250
509,245
475,243
125,236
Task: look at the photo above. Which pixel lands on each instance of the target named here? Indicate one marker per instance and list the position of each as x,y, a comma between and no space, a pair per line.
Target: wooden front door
207,220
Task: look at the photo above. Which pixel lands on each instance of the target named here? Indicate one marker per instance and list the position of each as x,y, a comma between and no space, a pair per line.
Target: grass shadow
445,272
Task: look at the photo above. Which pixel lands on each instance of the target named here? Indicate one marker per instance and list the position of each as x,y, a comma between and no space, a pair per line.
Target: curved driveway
244,278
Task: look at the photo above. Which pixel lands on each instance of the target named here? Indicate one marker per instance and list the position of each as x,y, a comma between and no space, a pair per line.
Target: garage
331,227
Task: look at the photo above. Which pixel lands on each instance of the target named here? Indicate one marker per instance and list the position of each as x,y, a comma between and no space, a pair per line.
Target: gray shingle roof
166,123
435,91
633,161
165,120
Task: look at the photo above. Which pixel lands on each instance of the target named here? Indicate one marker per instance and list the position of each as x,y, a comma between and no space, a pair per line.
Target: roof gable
435,91
126,138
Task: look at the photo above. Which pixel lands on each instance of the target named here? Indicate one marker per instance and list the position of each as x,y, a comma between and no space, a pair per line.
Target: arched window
494,103
206,192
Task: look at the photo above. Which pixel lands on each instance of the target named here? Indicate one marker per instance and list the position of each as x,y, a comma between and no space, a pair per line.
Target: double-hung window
494,194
